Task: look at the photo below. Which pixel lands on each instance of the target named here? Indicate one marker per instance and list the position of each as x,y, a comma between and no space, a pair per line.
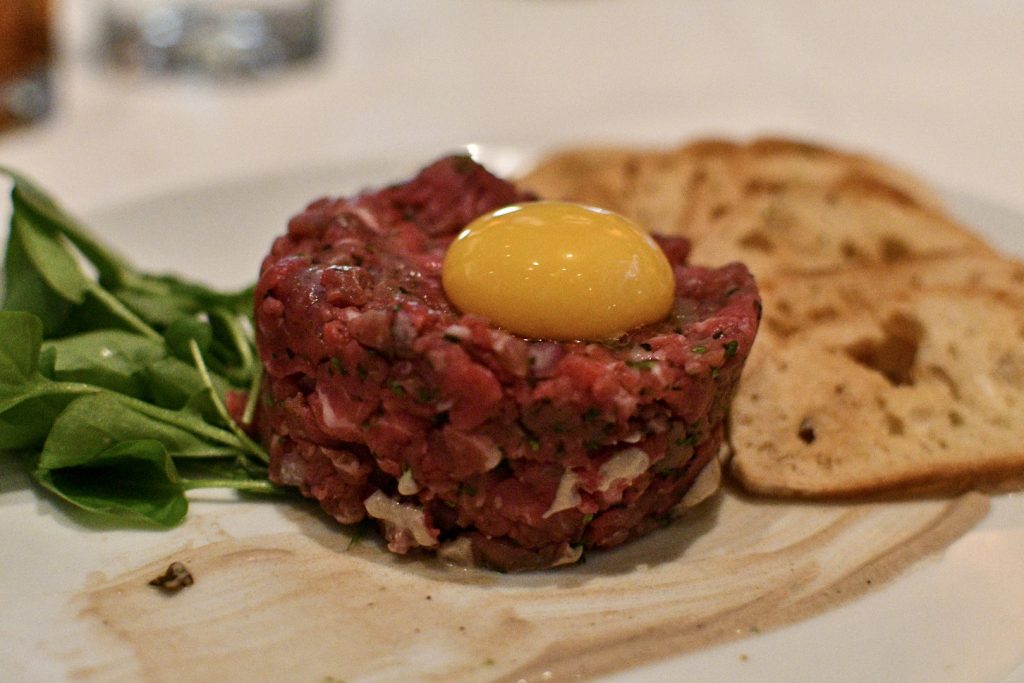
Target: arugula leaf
54,282
111,359
174,384
31,202
130,480
51,260
26,289
158,299
223,344
162,299
24,424
182,332
91,424
19,355
28,401
117,381
103,310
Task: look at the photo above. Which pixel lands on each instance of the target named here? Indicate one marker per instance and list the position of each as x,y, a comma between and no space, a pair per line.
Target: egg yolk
557,270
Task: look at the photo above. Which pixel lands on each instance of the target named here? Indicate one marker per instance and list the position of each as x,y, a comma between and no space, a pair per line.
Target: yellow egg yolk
557,270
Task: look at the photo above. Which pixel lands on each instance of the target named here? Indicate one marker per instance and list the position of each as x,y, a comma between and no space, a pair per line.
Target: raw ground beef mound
382,401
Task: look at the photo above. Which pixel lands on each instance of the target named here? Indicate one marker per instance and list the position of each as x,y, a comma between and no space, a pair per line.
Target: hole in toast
718,211
763,186
893,249
631,169
823,314
781,329
894,355
955,419
893,424
851,252
758,241
806,431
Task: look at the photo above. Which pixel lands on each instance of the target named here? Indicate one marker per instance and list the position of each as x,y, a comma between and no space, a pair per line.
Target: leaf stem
123,312
212,452
239,339
252,400
252,485
175,418
47,389
248,445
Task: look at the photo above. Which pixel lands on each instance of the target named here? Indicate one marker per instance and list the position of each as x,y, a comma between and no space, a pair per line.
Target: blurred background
116,99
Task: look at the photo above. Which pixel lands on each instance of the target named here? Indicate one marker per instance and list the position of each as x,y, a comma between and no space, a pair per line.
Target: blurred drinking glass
217,38
25,60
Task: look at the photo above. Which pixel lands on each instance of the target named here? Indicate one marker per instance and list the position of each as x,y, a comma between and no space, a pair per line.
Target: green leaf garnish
116,381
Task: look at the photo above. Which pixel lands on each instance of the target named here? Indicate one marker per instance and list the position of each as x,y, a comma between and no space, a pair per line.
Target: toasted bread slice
928,391
806,230
597,176
798,302
784,162
686,190
890,354
675,192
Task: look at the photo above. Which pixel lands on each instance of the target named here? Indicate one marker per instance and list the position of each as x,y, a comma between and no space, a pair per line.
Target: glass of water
216,38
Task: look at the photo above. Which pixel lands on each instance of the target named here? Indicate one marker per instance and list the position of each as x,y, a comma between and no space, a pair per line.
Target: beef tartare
383,401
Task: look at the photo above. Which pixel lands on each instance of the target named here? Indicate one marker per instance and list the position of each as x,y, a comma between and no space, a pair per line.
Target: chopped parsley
356,538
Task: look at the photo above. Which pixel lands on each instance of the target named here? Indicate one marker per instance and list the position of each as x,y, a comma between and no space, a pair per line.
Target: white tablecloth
934,86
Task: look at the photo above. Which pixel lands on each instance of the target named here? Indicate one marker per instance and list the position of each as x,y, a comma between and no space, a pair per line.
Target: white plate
955,616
